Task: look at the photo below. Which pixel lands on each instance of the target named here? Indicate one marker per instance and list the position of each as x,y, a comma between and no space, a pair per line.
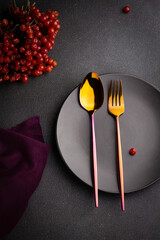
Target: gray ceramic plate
140,129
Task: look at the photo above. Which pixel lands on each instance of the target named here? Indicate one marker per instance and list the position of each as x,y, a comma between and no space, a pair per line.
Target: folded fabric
23,155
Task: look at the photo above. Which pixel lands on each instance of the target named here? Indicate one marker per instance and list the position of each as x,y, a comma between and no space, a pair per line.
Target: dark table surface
94,36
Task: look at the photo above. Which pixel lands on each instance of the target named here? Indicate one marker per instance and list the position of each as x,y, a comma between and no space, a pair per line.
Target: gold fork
116,108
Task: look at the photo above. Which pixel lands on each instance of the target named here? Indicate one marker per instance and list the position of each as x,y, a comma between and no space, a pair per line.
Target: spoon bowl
91,93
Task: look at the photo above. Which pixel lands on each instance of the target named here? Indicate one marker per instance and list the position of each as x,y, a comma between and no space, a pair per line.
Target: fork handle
94,162
120,161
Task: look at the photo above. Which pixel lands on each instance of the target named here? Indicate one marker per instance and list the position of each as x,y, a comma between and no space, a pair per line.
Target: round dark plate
139,127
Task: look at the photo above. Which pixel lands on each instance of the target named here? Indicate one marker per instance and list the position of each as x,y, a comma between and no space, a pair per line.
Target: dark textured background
94,36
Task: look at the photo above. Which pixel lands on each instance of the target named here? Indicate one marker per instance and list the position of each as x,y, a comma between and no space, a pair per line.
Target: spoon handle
94,162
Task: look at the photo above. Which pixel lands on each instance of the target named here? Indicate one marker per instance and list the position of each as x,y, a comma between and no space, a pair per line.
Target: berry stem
14,2
28,5
12,30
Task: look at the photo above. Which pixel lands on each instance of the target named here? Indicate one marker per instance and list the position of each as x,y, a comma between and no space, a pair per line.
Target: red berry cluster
25,40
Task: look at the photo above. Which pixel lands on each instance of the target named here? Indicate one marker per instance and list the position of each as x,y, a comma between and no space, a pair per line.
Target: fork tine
117,94
121,94
114,94
110,95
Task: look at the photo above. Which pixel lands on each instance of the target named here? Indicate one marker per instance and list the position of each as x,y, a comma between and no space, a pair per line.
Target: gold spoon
91,98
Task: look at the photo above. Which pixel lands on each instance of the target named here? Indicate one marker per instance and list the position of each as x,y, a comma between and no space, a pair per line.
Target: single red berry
34,53
36,10
6,77
52,42
7,60
44,50
28,64
47,23
132,151
34,46
54,24
35,40
27,46
43,18
12,79
49,11
17,68
28,27
6,43
40,60
30,67
52,15
28,18
48,45
31,36
17,76
51,30
39,55
41,67
23,69
23,61
58,26
54,64
29,58
16,11
24,78
22,12
15,50
5,22
46,60
52,35
29,72
16,41
22,49
38,34
5,49
56,13
49,68
32,8
11,35
36,72
126,9
38,15
50,61
11,45
36,28
5,70
28,53
29,31
17,63
10,53
45,56
34,62
23,27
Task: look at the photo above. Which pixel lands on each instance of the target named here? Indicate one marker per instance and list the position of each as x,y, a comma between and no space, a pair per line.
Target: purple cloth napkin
23,155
